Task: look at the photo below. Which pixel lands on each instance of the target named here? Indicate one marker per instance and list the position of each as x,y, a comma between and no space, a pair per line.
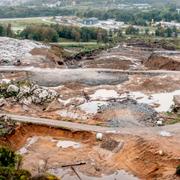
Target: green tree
9,31
132,30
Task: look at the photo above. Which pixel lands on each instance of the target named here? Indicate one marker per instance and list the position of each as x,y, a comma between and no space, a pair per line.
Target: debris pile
13,50
176,107
26,93
6,126
128,113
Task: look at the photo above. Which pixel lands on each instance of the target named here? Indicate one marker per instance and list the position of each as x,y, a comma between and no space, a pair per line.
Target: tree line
54,33
6,30
130,16
134,17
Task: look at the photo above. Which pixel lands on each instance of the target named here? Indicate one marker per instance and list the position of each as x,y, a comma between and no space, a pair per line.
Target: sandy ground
147,156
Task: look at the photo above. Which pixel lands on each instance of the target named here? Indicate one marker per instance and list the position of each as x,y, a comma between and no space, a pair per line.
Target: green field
19,24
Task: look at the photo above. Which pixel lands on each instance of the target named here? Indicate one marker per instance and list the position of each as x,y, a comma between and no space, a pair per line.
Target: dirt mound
54,54
154,84
164,60
147,160
111,63
127,113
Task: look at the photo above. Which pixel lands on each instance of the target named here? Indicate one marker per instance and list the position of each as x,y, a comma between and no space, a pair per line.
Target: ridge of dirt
160,61
18,138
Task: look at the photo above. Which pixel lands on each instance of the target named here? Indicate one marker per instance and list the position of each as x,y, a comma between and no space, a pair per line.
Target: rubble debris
161,152
13,50
128,113
99,136
109,144
27,93
176,107
159,122
74,164
12,89
74,170
2,102
6,126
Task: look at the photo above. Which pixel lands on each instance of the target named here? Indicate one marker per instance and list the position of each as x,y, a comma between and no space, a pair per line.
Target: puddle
164,100
165,133
68,174
104,94
58,143
67,144
92,107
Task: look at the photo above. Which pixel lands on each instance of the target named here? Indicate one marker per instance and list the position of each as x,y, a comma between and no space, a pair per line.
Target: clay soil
166,63
138,155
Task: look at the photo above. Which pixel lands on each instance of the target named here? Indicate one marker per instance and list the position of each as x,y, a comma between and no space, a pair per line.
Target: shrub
7,158
178,170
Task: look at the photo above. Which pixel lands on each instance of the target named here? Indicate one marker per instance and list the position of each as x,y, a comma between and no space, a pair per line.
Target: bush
7,158
9,173
178,170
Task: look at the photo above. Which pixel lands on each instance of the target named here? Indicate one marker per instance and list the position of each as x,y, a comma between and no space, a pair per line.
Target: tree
146,31
2,30
9,32
132,31
40,33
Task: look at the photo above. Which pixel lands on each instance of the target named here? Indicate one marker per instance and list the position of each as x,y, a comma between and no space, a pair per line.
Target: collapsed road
170,129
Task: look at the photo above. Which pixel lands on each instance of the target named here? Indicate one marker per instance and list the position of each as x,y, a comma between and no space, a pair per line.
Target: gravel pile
13,50
129,113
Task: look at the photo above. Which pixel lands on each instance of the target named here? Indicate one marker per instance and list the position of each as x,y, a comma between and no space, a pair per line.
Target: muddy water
59,143
68,174
163,100
88,77
92,107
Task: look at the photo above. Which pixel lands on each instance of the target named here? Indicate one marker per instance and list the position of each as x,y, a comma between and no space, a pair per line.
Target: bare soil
138,155
168,62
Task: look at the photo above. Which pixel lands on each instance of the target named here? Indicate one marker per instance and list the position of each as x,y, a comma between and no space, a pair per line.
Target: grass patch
172,118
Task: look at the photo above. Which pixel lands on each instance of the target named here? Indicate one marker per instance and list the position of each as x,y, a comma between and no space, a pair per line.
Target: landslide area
147,157
54,54
164,60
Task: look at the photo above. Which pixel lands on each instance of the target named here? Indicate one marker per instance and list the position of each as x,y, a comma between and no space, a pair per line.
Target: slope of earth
169,60
29,53
119,57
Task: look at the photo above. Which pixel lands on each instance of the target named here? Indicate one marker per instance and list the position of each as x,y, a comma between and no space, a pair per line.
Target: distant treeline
22,12
133,16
